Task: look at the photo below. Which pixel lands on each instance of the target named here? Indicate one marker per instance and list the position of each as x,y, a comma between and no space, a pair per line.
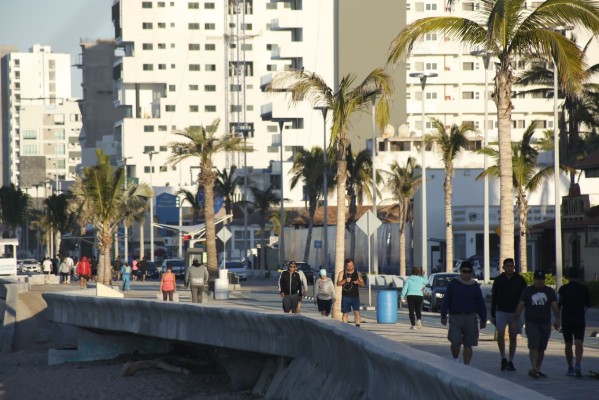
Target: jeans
196,293
126,282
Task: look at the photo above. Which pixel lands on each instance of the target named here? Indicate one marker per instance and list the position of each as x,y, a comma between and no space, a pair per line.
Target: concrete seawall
283,356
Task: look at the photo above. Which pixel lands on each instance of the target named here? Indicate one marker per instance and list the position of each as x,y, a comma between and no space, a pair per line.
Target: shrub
594,289
549,278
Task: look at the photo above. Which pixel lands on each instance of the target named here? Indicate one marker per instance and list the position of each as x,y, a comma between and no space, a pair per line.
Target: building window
60,149
169,108
210,47
431,95
194,25
193,46
193,87
271,67
235,108
430,66
161,25
194,109
210,88
29,134
246,47
210,67
171,88
235,88
470,96
593,236
210,108
209,6
161,66
210,26
431,37
246,27
148,67
59,134
430,7
146,4
194,67
29,149
161,4
193,6
147,46
148,128
161,46
161,128
147,25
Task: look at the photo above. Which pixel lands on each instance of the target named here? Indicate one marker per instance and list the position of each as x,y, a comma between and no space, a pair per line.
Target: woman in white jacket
324,293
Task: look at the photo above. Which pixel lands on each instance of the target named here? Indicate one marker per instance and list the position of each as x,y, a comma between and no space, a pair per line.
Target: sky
58,23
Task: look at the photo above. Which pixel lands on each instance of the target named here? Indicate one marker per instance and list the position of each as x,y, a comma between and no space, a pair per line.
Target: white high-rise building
38,83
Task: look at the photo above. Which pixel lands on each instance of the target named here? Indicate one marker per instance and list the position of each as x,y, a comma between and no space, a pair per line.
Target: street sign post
224,235
369,223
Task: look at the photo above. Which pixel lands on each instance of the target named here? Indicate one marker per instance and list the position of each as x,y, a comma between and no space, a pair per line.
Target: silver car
29,265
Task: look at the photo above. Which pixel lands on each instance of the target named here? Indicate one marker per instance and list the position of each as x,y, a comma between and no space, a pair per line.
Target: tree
56,208
226,184
359,181
507,29
14,207
192,199
450,144
202,142
263,201
308,167
527,179
402,182
100,198
343,103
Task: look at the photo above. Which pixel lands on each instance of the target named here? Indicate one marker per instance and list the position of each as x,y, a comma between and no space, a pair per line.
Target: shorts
46,272
503,318
538,335
324,305
350,303
290,302
463,330
573,330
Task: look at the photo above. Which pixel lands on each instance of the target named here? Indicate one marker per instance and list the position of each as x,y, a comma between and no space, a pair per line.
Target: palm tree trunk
503,84
104,267
263,249
448,221
212,264
312,210
340,233
523,216
403,214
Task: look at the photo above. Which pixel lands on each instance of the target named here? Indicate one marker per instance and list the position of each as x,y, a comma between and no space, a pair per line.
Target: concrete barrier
289,356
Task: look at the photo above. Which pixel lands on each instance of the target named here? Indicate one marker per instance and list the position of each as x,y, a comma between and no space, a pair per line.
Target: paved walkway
262,295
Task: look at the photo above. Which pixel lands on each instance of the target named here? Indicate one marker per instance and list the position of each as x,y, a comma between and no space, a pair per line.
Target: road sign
368,223
224,234
318,244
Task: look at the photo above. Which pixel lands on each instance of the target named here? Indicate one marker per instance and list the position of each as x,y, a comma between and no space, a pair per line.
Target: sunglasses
466,271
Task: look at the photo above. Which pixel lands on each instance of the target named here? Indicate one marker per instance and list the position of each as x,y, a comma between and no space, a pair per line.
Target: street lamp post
125,229
325,189
375,253
151,153
423,76
245,132
281,122
486,56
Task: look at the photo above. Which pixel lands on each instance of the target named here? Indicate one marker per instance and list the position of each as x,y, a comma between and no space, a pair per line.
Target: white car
238,268
29,265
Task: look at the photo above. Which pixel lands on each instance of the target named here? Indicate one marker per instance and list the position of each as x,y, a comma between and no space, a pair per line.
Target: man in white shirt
47,269
71,264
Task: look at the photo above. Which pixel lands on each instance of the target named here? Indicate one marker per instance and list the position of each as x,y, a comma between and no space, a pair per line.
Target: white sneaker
457,360
412,327
419,324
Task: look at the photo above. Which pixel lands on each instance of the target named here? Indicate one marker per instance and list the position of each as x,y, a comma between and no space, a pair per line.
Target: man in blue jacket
463,301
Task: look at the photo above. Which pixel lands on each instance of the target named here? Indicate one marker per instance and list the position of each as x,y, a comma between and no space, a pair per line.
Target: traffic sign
224,234
369,223
318,244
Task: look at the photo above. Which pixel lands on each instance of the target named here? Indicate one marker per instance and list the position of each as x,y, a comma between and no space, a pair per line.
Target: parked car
178,265
237,268
478,265
435,289
29,265
151,272
308,271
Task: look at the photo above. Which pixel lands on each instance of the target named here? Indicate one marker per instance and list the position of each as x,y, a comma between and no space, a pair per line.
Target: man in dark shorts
290,288
538,301
505,296
574,299
464,302
143,268
350,281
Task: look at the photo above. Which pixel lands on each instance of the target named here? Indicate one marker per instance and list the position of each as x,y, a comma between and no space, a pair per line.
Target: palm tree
507,29
343,103
192,199
402,182
527,179
308,167
14,207
226,184
100,198
264,200
450,144
58,217
202,142
359,179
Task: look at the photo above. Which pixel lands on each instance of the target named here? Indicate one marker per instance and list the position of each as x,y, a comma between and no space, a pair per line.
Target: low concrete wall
336,360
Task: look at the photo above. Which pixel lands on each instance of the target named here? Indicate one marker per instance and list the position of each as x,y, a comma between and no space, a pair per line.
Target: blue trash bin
386,307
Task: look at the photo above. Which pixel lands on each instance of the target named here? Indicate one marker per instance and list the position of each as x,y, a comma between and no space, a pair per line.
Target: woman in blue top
412,289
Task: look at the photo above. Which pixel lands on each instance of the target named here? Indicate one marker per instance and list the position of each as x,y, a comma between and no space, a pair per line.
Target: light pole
423,76
375,253
151,153
125,229
281,122
558,211
245,132
486,56
325,189
181,206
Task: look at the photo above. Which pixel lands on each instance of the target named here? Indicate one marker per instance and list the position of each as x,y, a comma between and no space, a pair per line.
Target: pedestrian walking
143,268
537,301
505,295
84,270
47,268
71,265
304,290
196,277
64,271
134,267
126,276
94,263
324,293
350,281
574,300
116,268
168,285
412,291
290,287
463,302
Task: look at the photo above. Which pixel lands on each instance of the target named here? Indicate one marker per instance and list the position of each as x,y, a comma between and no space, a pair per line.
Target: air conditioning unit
472,216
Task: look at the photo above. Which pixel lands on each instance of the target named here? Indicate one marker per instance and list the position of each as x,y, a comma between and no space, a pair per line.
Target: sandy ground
25,375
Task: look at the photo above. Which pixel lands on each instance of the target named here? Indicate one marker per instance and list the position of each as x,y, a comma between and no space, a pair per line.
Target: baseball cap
539,274
323,272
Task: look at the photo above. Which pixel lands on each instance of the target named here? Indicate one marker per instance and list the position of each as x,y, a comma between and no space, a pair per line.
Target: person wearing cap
324,293
537,301
505,295
463,301
290,287
574,300
196,277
